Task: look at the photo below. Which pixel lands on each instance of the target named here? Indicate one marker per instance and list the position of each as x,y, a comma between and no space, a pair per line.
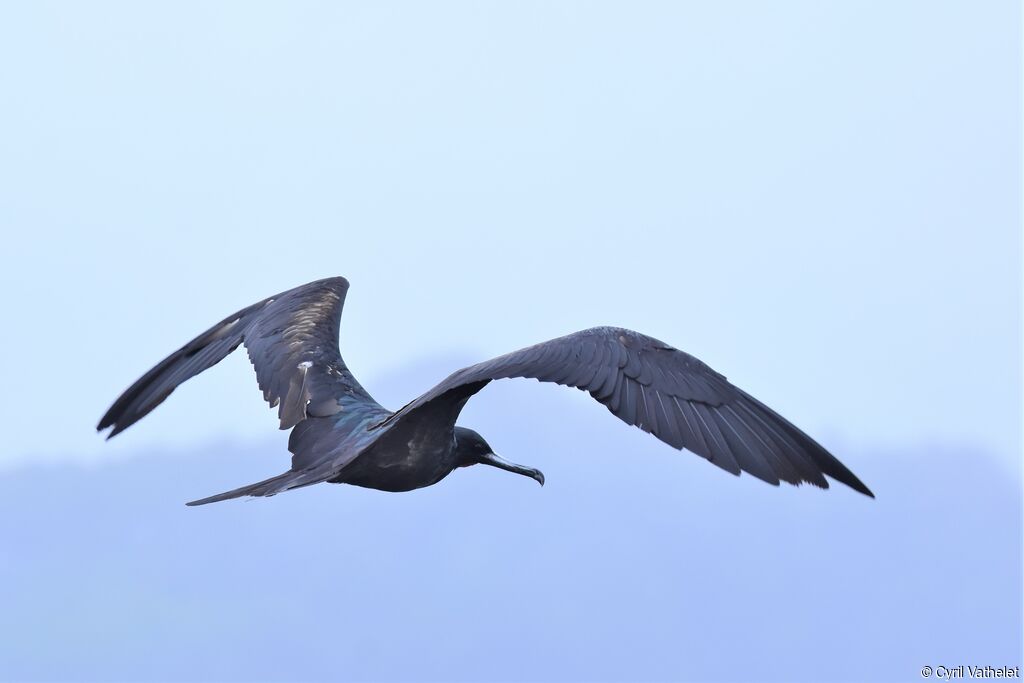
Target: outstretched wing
292,340
661,390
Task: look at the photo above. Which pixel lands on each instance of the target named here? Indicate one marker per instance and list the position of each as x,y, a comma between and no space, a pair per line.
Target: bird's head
472,449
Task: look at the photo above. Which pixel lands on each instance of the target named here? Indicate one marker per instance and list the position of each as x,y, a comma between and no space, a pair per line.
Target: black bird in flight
341,435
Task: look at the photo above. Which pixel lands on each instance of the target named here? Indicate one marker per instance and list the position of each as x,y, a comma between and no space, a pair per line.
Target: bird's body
340,434
403,460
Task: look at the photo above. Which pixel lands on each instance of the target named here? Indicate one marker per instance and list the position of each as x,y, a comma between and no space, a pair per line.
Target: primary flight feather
340,434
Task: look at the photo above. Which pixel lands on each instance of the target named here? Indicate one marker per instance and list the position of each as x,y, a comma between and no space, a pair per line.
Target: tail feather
271,487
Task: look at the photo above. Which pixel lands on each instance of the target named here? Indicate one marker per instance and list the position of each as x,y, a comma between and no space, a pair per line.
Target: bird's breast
401,464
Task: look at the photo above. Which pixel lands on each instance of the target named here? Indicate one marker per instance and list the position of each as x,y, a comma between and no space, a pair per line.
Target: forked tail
270,487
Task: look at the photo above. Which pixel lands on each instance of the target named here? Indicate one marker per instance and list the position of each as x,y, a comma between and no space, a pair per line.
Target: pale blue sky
822,200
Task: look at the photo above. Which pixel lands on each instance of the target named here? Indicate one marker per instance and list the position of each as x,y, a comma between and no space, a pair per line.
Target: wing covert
293,346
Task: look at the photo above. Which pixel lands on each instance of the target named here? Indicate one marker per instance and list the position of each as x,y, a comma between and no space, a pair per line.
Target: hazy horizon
634,561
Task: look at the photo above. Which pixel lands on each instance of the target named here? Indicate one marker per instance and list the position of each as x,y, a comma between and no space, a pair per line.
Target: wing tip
850,481
337,280
832,467
858,486
842,474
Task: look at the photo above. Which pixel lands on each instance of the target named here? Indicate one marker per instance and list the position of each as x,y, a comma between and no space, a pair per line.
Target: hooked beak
499,462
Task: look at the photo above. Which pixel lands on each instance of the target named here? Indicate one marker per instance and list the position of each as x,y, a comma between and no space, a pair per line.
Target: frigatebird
340,434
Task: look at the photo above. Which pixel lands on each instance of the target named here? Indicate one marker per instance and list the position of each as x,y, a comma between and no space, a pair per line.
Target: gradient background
820,200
